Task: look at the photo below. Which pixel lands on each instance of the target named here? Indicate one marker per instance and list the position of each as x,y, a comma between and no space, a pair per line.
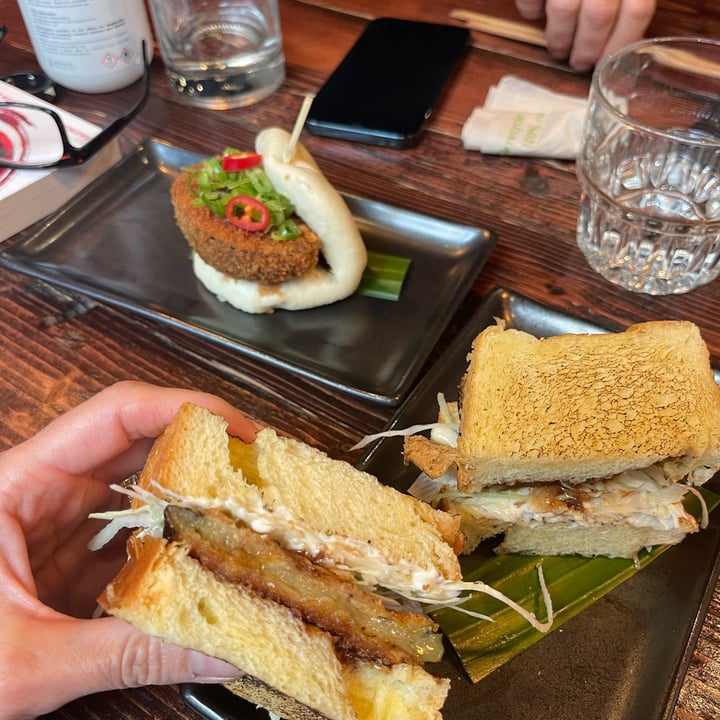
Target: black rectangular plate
623,658
119,243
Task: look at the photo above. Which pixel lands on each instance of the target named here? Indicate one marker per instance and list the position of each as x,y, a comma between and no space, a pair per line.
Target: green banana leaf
573,582
384,276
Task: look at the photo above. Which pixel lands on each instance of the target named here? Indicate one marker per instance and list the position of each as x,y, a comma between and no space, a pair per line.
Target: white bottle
91,46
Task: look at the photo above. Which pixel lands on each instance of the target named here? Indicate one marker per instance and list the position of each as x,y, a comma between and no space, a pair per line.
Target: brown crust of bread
262,694
241,255
432,458
164,592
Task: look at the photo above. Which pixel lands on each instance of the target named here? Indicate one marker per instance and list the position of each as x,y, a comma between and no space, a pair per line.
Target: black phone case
385,88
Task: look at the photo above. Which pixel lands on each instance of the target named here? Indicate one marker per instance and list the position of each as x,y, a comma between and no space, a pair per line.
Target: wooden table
58,349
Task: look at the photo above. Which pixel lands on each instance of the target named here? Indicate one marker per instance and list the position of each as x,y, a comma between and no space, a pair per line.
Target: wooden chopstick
532,35
500,27
684,60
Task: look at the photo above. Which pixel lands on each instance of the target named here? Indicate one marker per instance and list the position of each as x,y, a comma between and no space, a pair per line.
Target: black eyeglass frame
72,155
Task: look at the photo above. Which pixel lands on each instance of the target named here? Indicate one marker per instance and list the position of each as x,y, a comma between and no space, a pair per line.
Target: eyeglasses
55,150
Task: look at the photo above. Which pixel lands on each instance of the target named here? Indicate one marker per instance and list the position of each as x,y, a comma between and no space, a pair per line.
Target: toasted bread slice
618,541
196,458
580,406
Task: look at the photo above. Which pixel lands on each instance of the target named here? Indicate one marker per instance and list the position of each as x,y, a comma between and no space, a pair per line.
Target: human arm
49,579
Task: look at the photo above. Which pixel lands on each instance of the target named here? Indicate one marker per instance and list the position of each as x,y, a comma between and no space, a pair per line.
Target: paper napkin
522,118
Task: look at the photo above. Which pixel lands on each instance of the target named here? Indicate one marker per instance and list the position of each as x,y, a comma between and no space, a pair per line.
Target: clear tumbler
649,166
220,54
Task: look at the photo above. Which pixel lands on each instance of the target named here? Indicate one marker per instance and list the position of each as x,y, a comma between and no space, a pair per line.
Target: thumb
130,658
79,657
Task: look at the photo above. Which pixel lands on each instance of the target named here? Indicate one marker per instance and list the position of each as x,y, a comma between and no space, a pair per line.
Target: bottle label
78,40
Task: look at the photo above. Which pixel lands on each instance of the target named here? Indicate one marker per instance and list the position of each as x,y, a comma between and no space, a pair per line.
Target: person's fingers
531,9
104,427
561,24
595,25
79,657
15,570
126,463
632,22
130,658
584,31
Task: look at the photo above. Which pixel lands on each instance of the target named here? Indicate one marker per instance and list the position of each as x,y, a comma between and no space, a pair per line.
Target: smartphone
384,90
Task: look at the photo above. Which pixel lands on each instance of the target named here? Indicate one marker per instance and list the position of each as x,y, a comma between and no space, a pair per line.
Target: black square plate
623,658
118,242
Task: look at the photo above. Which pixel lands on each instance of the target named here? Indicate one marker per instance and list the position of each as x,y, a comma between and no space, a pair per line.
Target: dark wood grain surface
59,348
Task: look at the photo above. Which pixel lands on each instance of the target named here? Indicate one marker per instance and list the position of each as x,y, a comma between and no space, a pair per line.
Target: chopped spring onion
213,187
384,276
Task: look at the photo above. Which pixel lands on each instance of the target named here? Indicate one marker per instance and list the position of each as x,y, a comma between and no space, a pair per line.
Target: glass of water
220,54
649,166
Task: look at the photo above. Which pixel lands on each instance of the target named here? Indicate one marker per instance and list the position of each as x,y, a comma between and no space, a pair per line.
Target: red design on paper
14,140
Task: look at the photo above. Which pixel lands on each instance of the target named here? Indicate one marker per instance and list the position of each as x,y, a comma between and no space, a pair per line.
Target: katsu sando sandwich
307,574
576,444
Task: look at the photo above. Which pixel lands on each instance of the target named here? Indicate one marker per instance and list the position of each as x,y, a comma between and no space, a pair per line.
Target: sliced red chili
247,213
240,161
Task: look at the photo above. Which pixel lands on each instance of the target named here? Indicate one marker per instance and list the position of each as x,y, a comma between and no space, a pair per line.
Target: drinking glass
220,54
649,166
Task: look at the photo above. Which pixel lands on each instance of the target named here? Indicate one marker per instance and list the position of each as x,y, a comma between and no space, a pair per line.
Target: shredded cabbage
454,599
703,505
429,490
412,430
448,426
421,585
638,498
148,516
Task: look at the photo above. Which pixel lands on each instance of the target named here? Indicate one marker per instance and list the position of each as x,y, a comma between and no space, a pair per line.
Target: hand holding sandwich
49,580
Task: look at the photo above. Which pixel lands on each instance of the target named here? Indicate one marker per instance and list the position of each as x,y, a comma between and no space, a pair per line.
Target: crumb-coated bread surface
239,254
572,407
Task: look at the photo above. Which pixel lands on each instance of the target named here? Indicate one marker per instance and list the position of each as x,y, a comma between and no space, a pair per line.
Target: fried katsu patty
239,254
